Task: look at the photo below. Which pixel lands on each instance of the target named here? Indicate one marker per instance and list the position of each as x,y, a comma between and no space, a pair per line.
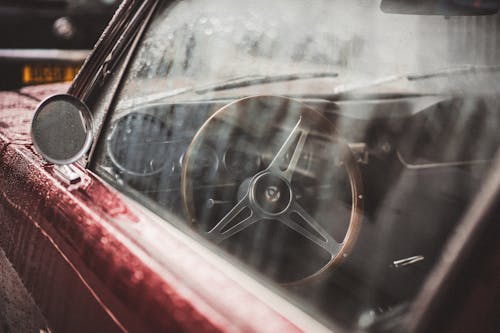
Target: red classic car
251,166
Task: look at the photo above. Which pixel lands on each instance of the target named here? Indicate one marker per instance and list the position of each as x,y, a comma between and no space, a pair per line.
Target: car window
327,145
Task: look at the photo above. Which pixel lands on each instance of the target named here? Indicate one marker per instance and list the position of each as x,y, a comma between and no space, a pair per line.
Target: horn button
271,194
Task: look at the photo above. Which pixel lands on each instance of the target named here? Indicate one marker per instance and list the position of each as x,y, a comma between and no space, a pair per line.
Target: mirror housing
61,129
440,7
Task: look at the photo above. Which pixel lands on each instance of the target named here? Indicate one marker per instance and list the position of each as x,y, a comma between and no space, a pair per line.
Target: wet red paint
105,200
16,125
17,110
93,263
42,91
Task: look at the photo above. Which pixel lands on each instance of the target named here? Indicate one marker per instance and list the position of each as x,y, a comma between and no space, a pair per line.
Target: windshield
202,42
236,118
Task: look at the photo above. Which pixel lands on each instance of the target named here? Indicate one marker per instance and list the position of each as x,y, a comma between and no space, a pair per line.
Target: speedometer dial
241,163
145,135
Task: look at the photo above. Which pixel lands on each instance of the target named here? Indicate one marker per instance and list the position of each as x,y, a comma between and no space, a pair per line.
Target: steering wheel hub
271,194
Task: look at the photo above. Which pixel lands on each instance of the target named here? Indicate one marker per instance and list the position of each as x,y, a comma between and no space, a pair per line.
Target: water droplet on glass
215,21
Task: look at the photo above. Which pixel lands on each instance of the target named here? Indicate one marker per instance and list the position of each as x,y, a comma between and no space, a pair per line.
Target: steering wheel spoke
235,221
299,220
294,142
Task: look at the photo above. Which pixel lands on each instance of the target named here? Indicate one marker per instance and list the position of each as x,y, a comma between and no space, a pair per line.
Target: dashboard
386,185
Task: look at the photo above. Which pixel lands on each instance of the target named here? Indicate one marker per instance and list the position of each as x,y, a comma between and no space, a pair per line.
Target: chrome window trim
126,22
107,63
104,105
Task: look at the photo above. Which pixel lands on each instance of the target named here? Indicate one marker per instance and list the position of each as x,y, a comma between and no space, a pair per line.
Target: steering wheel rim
274,173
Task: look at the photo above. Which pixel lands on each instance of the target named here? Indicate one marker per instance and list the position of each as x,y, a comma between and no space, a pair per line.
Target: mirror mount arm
68,174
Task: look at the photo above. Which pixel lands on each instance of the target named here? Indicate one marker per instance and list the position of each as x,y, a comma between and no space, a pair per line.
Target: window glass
327,145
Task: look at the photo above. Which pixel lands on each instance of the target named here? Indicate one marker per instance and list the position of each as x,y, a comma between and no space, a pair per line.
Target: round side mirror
62,129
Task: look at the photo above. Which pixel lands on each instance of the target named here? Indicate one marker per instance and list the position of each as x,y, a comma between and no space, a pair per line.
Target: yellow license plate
38,74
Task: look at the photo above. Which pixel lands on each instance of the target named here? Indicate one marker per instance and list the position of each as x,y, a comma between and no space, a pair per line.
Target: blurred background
44,41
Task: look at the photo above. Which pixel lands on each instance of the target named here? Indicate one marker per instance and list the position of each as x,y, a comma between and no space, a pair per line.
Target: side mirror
62,129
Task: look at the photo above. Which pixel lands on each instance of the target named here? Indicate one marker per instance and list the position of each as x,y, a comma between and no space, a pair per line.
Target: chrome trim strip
407,261
438,164
41,54
120,32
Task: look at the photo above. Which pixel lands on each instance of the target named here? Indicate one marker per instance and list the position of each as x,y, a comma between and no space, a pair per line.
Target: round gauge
206,164
240,162
139,144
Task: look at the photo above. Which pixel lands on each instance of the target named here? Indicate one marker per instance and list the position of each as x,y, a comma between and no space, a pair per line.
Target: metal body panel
85,253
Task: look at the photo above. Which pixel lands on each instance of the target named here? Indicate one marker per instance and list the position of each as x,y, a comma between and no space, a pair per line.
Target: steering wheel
268,192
